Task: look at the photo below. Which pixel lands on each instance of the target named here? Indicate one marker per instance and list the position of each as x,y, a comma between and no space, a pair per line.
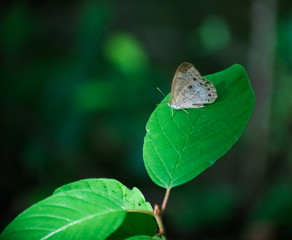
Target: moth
189,89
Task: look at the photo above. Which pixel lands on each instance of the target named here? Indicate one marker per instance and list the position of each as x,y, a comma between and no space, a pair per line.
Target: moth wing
196,94
182,78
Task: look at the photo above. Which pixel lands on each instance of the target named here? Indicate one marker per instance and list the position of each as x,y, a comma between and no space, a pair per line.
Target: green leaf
134,224
177,149
145,238
87,209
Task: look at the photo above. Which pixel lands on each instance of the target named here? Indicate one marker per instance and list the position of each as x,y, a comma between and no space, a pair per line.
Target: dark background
78,83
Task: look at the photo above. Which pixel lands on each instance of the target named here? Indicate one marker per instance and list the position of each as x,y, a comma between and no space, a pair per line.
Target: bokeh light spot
214,34
126,53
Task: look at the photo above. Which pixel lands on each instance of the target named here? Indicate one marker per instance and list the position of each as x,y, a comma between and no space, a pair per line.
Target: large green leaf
87,209
177,149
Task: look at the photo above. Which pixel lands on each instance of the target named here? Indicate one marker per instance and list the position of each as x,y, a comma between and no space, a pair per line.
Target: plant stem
159,211
166,196
157,215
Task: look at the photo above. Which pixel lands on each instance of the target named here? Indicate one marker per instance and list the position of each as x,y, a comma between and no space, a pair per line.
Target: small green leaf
177,149
134,224
87,209
144,238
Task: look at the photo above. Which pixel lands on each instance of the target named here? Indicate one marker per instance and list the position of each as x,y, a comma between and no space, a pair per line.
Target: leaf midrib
187,136
76,222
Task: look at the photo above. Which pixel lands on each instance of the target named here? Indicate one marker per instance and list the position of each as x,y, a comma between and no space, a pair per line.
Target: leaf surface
177,149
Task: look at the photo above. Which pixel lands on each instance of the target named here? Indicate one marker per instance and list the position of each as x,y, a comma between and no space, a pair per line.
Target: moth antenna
160,91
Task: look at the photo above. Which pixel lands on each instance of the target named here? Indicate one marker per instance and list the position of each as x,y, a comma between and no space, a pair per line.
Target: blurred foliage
78,83
275,206
214,34
207,208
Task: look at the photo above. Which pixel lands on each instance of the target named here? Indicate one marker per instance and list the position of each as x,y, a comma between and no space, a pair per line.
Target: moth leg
185,110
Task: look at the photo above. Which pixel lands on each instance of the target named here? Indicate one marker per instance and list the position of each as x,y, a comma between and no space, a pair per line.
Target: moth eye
190,87
209,94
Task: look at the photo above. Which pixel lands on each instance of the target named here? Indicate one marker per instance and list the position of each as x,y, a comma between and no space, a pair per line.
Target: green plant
176,150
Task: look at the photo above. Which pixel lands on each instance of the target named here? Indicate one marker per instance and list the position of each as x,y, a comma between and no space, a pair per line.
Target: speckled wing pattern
189,89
